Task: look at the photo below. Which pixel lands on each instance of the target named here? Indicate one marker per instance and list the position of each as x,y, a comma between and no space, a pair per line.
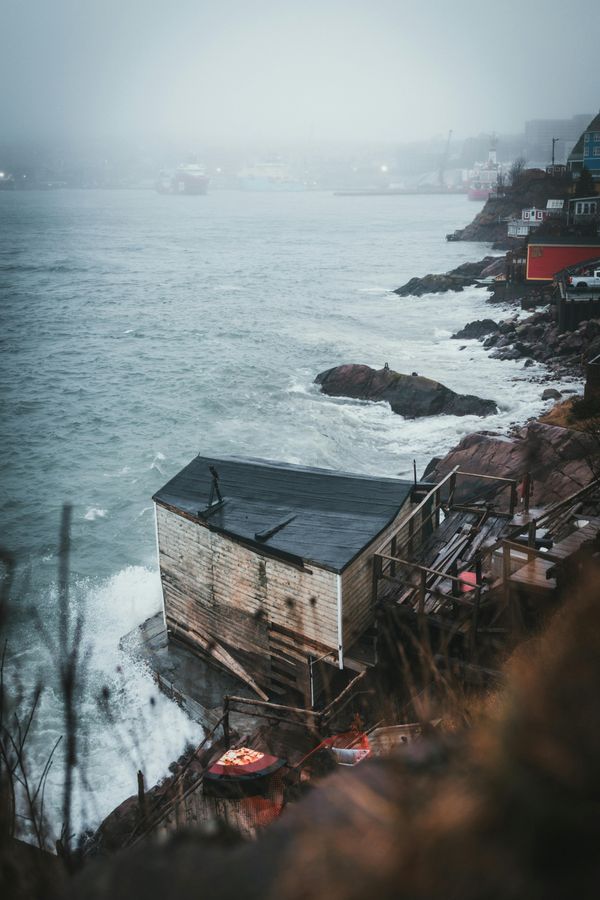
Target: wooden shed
268,566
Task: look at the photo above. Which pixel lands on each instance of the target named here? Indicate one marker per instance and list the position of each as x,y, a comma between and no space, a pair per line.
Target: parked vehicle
583,282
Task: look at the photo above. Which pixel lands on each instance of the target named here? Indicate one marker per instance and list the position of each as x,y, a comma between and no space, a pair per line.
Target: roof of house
569,240
577,151
313,515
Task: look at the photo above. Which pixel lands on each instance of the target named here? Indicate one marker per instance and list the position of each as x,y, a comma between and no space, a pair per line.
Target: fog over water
339,69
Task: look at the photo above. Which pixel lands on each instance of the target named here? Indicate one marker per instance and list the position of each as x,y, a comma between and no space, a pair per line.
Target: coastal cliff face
411,396
533,189
559,460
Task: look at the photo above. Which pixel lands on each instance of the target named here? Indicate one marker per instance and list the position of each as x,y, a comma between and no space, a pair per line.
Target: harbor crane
444,160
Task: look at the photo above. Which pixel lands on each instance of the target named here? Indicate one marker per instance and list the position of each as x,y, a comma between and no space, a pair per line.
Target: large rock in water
411,396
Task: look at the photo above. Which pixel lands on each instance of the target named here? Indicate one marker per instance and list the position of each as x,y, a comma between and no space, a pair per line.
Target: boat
270,175
483,178
186,179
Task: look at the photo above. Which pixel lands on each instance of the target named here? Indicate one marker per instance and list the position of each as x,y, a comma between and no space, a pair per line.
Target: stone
477,329
559,460
551,394
412,396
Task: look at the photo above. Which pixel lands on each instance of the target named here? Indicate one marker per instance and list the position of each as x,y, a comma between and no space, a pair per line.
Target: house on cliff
549,255
267,567
586,152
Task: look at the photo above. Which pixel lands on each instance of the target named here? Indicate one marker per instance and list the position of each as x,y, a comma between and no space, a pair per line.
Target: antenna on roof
214,487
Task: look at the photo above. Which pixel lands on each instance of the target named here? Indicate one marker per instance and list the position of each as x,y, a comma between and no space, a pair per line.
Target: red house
548,255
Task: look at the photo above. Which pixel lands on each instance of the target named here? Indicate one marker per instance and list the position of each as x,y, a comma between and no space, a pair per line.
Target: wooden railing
441,498
315,719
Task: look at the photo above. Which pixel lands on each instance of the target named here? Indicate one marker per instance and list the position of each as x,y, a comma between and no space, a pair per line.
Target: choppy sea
139,329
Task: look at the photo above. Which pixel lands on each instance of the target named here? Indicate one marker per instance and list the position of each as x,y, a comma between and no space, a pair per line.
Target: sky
292,70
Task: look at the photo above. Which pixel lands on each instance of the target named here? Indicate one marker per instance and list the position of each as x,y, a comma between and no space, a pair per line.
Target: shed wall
357,580
247,601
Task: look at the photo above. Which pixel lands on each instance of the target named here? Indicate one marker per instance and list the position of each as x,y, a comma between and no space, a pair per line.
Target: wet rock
551,394
412,396
477,329
559,460
465,275
528,362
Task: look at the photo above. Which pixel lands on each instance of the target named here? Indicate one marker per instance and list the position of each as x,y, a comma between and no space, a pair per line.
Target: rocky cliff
559,460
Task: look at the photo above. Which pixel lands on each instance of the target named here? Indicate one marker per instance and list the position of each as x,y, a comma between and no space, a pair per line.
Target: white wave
94,512
133,726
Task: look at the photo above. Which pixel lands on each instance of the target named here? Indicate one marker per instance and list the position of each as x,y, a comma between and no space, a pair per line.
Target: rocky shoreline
537,339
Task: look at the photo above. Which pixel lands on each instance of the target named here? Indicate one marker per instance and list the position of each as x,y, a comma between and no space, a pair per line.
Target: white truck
583,282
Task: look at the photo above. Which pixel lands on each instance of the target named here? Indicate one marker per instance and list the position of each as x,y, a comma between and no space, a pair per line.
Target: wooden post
526,491
422,590
393,553
513,498
506,581
475,620
436,508
452,489
453,571
226,731
531,530
411,532
376,577
141,793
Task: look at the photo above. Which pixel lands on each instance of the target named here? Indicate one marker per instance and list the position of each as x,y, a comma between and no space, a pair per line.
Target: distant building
584,209
531,218
586,151
548,255
539,134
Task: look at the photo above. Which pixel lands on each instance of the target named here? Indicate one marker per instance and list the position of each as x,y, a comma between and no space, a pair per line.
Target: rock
551,394
560,461
432,284
411,396
506,353
465,275
527,363
477,329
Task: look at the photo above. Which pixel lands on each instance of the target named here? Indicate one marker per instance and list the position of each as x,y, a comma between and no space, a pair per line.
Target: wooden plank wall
357,604
220,588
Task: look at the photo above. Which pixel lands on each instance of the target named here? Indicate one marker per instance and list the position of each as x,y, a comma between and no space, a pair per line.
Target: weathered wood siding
357,582
247,601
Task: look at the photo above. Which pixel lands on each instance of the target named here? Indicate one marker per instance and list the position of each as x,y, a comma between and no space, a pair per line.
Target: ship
483,179
270,175
186,179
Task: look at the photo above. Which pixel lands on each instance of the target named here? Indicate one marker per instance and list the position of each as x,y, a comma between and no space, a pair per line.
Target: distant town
445,162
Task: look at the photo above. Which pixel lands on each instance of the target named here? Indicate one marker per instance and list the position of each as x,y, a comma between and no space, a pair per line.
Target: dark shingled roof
577,151
324,516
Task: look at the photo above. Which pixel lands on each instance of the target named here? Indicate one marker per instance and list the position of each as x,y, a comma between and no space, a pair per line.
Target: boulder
477,329
411,396
560,461
465,275
551,394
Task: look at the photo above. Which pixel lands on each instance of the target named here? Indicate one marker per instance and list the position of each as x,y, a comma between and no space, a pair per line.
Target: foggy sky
229,70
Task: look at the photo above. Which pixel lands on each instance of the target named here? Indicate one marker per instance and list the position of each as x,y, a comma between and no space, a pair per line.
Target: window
596,151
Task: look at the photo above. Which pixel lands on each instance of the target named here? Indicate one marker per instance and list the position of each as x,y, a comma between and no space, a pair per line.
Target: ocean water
139,329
